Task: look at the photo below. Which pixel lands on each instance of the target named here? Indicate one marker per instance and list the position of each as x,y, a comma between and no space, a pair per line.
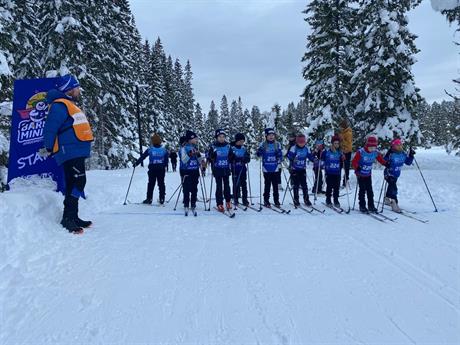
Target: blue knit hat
269,131
66,83
218,132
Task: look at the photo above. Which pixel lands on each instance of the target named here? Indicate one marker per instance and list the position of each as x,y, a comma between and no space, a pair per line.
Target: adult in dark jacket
67,137
158,161
173,159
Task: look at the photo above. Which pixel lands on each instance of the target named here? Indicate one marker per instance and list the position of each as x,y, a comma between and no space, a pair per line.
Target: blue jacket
190,158
298,157
158,157
240,158
271,154
59,124
333,161
397,160
220,156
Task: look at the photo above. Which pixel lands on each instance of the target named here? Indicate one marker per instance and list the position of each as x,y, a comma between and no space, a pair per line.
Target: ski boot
363,209
307,202
83,223
395,207
372,209
220,208
228,205
296,203
328,202
71,226
147,201
162,201
387,201
337,204
267,204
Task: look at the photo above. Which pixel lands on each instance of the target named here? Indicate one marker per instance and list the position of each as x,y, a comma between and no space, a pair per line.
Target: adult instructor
67,137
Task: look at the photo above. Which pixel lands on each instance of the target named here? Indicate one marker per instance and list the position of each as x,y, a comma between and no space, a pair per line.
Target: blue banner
27,122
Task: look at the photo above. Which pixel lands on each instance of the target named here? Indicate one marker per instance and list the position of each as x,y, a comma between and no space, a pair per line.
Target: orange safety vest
80,126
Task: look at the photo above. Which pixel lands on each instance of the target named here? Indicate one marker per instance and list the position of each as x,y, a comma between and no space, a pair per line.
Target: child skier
333,162
190,164
158,159
272,156
239,158
298,155
219,156
318,167
362,163
396,158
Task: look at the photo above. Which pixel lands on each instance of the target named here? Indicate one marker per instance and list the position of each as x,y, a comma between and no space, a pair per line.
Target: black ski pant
190,187
346,166
75,181
240,187
156,176
365,187
271,179
174,165
332,187
318,180
392,188
222,189
299,180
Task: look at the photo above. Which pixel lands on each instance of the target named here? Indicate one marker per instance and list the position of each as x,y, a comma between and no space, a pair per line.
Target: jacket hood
54,94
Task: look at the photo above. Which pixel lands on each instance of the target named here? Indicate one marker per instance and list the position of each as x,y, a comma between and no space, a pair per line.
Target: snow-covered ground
149,275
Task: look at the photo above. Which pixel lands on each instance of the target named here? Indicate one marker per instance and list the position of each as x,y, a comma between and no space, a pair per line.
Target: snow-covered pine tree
188,98
224,118
144,69
258,124
249,130
7,29
233,128
240,117
27,40
212,122
385,91
156,90
199,123
170,111
180,123
328,63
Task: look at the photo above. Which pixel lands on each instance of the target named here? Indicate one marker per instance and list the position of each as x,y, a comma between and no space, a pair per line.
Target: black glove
387,164
137,162
411,152
358,169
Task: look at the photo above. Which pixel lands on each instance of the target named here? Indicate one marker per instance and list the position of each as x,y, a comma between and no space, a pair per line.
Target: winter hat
292,135
156,139
300,139
269,131
371,141
218,132
396,142
66,83
182,140
335,138
239,136
189,135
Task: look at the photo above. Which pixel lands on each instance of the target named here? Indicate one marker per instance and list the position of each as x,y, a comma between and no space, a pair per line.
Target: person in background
346,146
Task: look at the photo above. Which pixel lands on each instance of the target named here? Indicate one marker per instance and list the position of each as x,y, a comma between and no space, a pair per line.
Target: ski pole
204,186
317,178
172,196
249,182
380,195
356,192
180,190
260,183
347,188
210,192
288,181
426,185
129,186
385,193
202,191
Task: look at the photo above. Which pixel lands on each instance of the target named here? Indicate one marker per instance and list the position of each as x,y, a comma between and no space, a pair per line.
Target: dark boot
70,215
147,201
307,201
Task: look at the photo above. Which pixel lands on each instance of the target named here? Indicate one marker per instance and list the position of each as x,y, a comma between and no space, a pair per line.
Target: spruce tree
385,91
224,119
7,28
212,122
328,63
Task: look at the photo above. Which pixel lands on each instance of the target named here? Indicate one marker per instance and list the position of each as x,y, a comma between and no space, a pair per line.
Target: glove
44,152
358,169
137,162
411,152
192,153
387,164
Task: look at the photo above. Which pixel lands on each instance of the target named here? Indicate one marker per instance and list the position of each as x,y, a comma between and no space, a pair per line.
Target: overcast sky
252,48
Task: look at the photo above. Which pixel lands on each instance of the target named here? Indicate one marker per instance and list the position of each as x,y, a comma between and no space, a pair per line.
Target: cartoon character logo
30,129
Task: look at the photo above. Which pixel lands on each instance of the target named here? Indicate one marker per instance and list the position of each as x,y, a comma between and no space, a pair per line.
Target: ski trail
422,278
